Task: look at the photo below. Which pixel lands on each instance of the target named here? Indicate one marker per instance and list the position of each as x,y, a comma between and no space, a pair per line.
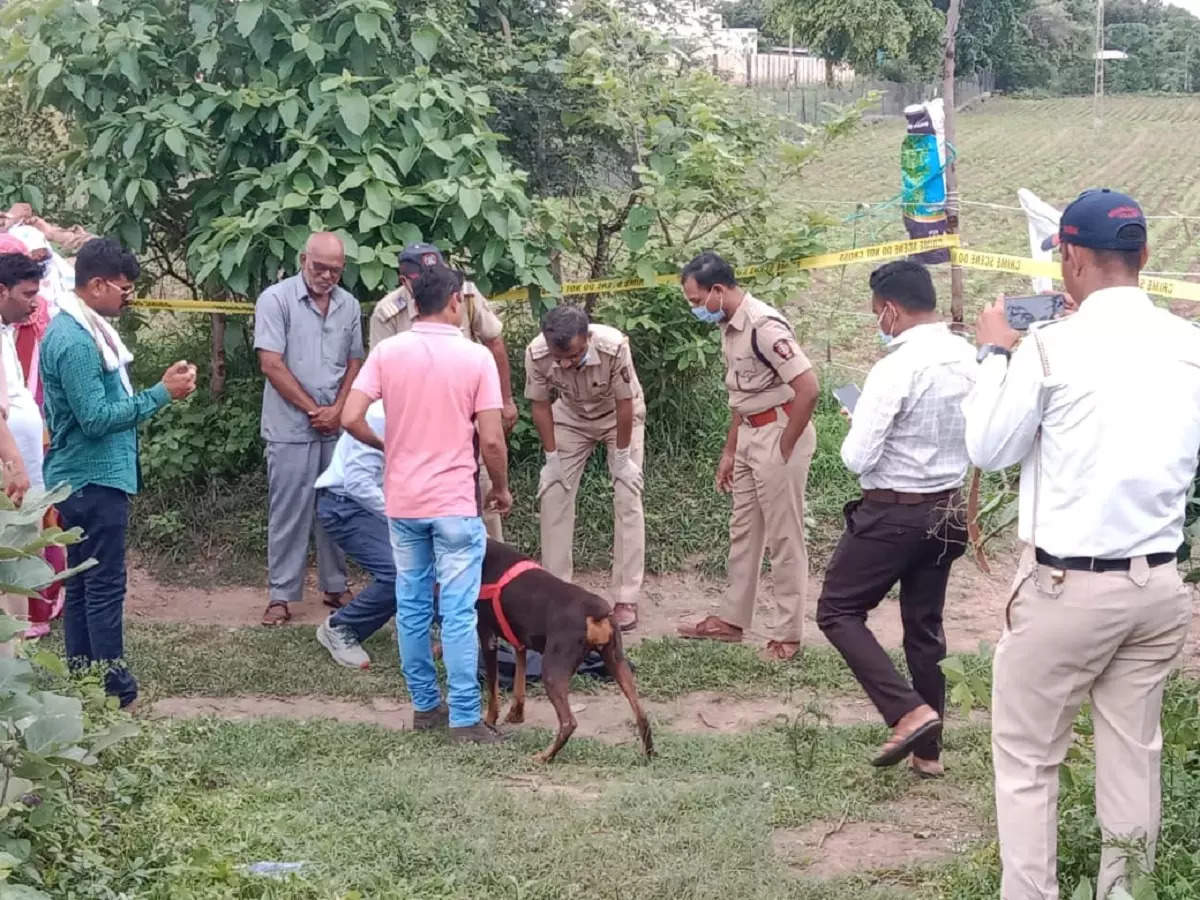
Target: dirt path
974,604
605,717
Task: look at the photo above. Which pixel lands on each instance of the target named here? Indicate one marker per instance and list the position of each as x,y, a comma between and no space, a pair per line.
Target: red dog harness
492,592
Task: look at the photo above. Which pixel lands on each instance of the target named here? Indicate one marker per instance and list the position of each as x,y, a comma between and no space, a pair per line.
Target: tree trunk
217,383
828,72
953,226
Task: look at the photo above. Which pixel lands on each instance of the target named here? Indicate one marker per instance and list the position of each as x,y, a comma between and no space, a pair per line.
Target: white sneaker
343,646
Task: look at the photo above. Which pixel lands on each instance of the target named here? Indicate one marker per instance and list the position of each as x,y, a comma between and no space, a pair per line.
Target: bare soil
927,825
974,604
605,717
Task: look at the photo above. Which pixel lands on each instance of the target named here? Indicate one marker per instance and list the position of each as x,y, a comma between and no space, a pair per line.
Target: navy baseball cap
1101,219
422,255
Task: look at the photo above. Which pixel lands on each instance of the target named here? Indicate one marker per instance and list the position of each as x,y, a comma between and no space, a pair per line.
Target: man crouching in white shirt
906,445
1102,410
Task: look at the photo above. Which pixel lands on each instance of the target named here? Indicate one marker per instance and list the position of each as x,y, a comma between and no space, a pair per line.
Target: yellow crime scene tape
1036,268
968,259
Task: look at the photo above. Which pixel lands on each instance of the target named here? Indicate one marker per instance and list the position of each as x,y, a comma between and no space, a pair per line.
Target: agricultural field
259,749
1145,146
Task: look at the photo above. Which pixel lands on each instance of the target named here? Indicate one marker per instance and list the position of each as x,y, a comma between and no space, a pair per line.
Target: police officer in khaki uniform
395,313
772,393
590,370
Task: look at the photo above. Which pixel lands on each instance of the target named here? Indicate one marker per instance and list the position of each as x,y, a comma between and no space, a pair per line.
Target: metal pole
1098,87
952,220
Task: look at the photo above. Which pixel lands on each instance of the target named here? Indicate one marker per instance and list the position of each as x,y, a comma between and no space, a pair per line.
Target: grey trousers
292,470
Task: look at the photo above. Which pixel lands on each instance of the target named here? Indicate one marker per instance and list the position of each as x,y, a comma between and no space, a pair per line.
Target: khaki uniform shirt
590,392
753,385
395,313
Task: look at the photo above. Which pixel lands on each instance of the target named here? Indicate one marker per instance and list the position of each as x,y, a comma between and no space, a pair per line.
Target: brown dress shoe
712,628
626,616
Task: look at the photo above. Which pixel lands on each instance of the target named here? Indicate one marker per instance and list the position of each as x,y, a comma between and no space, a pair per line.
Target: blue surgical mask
705,315
885,339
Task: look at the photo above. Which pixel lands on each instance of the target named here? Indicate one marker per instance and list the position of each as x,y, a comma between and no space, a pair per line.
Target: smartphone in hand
847,395
1022,312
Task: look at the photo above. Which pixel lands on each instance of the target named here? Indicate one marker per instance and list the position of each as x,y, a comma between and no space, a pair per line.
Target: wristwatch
987,350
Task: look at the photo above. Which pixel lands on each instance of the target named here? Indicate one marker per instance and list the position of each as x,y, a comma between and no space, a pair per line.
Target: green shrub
48,738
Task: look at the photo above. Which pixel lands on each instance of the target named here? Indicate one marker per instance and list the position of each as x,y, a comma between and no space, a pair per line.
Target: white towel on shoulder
113,352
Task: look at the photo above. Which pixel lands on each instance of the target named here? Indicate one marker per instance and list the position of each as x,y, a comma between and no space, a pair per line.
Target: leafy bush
47,737
1177,866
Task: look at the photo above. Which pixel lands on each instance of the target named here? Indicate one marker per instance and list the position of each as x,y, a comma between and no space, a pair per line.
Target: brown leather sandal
277,614
711,628
625,615
337,601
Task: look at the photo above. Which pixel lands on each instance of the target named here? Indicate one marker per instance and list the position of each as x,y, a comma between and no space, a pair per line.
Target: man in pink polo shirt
436,387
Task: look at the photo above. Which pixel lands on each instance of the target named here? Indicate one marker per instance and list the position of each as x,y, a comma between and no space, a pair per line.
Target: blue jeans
363,536
447,551
93,614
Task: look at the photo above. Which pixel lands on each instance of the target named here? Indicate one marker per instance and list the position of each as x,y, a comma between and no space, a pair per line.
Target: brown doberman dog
559,620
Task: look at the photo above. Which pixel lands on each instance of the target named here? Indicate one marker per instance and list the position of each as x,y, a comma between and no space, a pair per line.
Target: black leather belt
1092,564
881,495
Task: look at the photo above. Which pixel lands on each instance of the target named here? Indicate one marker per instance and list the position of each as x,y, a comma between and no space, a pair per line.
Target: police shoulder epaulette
538,348
390,305
606,339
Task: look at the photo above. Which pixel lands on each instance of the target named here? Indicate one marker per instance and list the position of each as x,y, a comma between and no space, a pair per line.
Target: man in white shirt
906,445
350,509
1102,411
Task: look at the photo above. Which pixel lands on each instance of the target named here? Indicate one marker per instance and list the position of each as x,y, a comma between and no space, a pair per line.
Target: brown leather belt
906,499
767,416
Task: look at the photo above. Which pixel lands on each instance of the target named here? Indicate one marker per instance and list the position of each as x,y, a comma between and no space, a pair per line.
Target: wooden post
953,226
217,363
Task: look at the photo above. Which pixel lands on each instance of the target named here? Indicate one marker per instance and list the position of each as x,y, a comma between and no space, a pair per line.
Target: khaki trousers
1113,636
492,522
576,439
768,512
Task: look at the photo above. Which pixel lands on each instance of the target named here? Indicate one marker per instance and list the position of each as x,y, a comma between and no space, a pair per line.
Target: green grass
393,816
211,660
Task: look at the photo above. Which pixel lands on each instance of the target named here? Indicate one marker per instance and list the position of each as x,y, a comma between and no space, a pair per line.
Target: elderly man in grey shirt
308,335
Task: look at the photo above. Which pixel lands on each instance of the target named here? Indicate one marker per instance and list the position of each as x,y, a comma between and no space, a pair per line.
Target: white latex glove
552,474
626,471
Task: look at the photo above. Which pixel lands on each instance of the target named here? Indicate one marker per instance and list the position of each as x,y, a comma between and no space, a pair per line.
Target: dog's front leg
516,711
618,668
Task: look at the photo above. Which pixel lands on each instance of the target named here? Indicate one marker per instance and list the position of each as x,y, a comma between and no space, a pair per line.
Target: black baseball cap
422,255
1101,219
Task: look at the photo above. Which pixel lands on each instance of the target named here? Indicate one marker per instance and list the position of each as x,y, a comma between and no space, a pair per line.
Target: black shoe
438,717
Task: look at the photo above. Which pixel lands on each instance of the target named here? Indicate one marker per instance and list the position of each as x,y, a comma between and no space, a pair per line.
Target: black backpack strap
754,343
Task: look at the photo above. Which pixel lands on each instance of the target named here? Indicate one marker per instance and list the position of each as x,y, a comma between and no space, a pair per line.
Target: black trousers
885,543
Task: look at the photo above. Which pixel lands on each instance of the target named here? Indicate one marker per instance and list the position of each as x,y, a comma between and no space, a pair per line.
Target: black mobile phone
1022,312
847,395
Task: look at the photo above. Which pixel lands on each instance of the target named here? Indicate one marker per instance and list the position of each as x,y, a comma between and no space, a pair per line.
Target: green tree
218,135
669,159
866,33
